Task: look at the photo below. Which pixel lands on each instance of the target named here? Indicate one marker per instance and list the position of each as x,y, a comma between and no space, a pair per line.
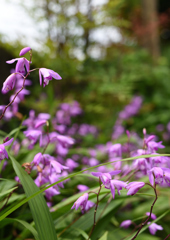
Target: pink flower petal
24,51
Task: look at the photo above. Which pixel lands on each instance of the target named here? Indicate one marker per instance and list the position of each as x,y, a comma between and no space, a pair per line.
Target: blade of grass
25,224
40,212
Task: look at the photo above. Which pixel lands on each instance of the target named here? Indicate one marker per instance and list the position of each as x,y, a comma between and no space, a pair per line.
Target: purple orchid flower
126,223
154,227
33,135
24,51
65,141
71,164
106,177
118,185
3,152
89,205
37,159
50,192
57,166
9,83
82,188
166,175
115,150
81,202
22,63
157,174
48,75
134,187
39,123
153,216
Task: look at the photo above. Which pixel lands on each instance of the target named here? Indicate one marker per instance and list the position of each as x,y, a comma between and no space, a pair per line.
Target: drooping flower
154,227
22,63
9,83
89,205
24,51
106,177
48,75
126,223
81,202
153,216
141,164
37,159
157,174
57,166
3,152
118,185
115,150
50,192
134,187
71,164
33,136
82,188
166,175
65,141
153,146
39,123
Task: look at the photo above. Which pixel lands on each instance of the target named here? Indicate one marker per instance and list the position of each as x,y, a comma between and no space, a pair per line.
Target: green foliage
40,212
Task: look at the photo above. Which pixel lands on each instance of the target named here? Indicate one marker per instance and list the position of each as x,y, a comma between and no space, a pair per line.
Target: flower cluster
55,161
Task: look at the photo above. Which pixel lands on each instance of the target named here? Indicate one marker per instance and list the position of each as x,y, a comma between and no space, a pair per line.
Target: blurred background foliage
106,53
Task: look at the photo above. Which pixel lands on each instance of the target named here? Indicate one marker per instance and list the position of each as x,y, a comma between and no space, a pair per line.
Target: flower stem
167,237
145,222
95,211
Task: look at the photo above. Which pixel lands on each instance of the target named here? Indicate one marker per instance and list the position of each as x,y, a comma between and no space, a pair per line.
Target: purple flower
22,63
153,216
134,187
37,159
9,83
126,223
65,141
153,146
118,185
40,123
50,192
24,51
141,164
54,178
82,188
93,162
57,166
157,174
44,116
71,164
115,150
33,135
81,202
166,175
47,75
3,152
89,205
154,227
105,177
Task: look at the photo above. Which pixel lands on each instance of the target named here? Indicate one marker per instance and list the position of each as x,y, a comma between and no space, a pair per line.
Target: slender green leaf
15,130
83,233
104,236
25,224
40,212
8,191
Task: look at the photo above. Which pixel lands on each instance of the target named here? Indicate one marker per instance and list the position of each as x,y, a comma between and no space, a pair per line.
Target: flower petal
24,51
55,75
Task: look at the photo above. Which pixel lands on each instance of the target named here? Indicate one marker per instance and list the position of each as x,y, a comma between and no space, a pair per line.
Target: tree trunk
150,26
